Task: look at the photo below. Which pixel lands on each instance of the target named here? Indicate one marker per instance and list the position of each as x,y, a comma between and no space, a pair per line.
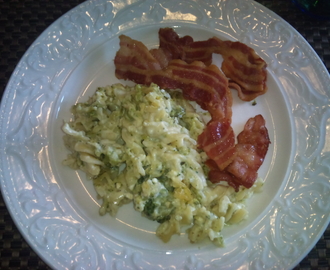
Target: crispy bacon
162,56
136,54
207,86
246,70
216,175
251,149
185,48
218,142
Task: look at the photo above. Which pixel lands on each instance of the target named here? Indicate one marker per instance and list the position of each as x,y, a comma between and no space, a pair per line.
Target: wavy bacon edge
250,151
241,64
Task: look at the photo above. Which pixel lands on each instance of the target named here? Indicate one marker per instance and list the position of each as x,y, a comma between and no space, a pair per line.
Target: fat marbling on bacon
245,69
181,63
218,142
251,149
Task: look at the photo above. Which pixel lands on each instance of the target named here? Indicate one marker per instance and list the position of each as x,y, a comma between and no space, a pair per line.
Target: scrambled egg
139,144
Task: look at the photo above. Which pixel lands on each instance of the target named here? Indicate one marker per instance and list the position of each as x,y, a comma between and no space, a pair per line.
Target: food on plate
139,144
208,86
245,69
153,147
250,151
203,84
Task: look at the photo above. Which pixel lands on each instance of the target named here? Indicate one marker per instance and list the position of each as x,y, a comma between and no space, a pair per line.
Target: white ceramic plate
55,208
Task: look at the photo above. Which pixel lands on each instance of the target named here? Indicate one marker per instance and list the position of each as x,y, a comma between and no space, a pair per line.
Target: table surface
22,21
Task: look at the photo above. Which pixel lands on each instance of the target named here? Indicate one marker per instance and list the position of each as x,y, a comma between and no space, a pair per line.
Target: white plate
55,208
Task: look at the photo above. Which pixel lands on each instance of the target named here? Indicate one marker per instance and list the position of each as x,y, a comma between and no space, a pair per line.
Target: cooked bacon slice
203,84
255,133
215,175
185,48
135,53
251,149
162,56
218,142
246,70
244,94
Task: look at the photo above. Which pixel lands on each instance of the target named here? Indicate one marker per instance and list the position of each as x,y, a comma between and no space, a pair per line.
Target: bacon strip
162,56
216,175
218,142
246,70
207,86
136,54
251,149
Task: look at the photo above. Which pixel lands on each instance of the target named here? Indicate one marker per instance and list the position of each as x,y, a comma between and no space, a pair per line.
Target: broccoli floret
143,178
149,208
158,209
167,182
165,218
177,112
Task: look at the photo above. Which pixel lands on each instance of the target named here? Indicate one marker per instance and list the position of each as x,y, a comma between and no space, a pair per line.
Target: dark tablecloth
22,21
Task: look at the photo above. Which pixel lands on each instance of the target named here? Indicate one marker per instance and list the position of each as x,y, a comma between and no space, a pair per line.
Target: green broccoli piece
149,208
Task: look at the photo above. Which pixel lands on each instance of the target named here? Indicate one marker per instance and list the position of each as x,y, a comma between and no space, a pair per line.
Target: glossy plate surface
56,208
